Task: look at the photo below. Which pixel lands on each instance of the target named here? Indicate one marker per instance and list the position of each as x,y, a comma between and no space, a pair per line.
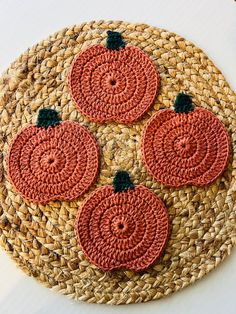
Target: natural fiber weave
41,239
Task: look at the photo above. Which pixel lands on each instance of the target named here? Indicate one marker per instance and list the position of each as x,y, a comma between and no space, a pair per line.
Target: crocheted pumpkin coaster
123,226
113,83
52,160
185,146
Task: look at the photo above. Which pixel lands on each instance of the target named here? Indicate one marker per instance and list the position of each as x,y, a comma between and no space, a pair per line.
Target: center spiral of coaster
122,226
112,81
52,160
184,145
122,230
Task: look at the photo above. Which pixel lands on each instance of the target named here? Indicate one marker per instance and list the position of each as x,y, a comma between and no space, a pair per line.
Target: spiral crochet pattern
185,148
41,239
127,229
56,163
113,85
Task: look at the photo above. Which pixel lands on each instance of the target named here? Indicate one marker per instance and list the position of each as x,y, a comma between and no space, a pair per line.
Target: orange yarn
185,148
57,163
113,85
122,230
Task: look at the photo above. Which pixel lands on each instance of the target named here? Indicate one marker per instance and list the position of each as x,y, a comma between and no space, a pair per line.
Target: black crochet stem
47,117
114,40
122,182
183,103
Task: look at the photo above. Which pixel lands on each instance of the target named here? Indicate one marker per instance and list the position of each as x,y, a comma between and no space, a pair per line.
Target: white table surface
211,25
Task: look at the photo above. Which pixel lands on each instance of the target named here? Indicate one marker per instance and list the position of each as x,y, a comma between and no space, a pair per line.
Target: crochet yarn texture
185,147
57,162
126,229
113,84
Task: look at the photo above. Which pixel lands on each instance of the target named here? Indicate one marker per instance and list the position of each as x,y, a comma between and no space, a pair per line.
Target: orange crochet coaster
53,160
185,146
113,83
123,226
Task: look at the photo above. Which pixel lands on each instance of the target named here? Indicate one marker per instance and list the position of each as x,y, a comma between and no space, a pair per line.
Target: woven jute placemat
41,239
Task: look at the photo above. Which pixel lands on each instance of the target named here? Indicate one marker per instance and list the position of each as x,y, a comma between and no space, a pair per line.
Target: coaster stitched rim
41,239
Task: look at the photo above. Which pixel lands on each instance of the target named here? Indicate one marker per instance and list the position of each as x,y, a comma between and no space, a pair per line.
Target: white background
211,25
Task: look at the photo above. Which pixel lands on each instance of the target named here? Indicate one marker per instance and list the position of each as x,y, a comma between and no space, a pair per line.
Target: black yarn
122,182
114,40
46,118
183,103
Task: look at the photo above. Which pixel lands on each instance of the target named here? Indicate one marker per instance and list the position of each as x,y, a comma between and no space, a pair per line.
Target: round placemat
41,238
